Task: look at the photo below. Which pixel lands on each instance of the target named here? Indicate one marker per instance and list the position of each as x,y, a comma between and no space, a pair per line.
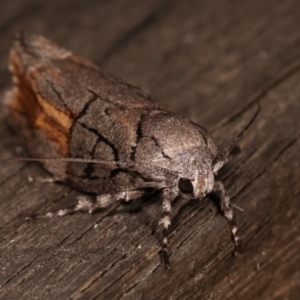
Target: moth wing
65,106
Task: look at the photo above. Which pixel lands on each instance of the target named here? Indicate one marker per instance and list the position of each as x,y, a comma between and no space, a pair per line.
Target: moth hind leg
90,205
45,179
228,213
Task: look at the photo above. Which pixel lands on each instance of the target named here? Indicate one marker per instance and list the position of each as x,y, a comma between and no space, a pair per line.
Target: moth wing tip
37,46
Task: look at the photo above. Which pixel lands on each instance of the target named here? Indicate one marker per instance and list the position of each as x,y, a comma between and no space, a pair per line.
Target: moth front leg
168,195
90,205
227,211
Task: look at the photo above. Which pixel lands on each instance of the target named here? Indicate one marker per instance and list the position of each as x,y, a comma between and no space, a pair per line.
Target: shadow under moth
105,137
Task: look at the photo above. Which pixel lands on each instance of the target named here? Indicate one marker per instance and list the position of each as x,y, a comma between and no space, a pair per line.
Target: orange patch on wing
40,113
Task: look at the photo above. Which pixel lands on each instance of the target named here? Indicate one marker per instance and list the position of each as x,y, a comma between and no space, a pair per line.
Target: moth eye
185,186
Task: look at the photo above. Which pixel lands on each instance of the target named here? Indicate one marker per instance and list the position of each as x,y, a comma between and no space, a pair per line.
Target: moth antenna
223,157
226,154
87,160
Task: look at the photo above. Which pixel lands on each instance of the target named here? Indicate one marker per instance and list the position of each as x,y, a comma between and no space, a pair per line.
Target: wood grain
210,60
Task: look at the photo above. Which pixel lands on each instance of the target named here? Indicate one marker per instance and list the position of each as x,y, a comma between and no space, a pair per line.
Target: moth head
197,187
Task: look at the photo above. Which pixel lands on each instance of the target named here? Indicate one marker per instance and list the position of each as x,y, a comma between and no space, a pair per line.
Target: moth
105,137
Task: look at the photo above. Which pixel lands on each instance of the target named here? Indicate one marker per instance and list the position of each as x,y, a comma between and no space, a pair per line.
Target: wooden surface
210,60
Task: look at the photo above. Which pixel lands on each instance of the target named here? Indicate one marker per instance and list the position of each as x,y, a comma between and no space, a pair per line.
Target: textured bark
210,60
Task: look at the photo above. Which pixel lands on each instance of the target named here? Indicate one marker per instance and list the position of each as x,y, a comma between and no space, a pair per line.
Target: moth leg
227,211
44,179
165,220
83,203
86,203
107,199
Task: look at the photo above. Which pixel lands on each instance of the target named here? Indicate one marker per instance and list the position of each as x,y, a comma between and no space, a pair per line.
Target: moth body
64,106
68,109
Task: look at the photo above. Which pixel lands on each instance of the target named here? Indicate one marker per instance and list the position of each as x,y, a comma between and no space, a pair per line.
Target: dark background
210,60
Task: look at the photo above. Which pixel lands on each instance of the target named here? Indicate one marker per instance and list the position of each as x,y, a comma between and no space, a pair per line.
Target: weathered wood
210,60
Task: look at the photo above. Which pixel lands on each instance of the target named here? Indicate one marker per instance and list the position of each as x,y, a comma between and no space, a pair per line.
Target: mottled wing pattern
65,106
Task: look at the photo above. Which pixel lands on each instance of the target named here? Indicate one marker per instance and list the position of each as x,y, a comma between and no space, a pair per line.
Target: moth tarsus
107,138
165,257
